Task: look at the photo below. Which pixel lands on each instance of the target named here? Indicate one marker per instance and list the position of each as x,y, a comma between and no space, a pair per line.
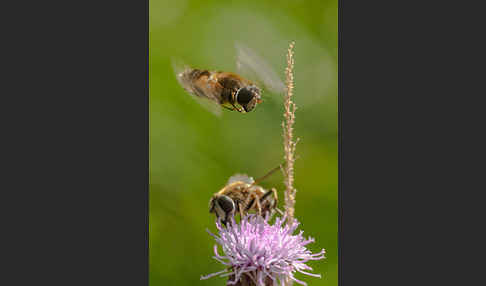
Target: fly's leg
272,199
236,108
250,201
240,208
253,200
232,109
233,100
259,207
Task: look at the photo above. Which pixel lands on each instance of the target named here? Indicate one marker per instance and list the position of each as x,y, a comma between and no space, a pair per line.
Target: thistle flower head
262,252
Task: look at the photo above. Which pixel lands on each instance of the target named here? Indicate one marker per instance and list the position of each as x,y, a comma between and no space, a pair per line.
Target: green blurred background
193,152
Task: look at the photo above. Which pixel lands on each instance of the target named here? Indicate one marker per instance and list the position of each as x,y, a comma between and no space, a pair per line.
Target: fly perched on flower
257,253
216,89
241,195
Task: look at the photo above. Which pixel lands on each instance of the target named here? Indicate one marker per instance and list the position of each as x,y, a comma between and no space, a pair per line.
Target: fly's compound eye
225,208
211,205
248,97
226,204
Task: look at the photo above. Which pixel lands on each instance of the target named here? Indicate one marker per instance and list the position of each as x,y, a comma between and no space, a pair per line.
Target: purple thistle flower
262,252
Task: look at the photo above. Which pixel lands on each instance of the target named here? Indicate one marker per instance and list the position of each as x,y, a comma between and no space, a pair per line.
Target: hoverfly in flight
216,89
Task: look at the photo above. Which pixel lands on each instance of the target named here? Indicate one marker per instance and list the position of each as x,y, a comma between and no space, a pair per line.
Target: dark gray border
75,153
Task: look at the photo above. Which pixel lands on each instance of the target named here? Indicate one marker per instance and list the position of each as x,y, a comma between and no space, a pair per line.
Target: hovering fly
216,89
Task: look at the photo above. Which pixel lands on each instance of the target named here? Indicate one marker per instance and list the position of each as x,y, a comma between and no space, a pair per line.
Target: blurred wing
250,64
240,177
206,99
209,105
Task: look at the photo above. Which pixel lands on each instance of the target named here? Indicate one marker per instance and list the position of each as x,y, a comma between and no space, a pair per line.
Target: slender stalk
289,143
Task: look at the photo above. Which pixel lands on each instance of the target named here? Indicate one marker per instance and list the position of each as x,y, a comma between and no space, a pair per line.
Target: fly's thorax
238,191
230,85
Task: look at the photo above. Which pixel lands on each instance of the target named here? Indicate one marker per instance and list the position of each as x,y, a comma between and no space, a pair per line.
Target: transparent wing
248,63
210,104
242,178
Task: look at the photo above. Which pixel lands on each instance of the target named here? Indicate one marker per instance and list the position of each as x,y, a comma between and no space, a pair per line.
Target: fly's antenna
258,180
